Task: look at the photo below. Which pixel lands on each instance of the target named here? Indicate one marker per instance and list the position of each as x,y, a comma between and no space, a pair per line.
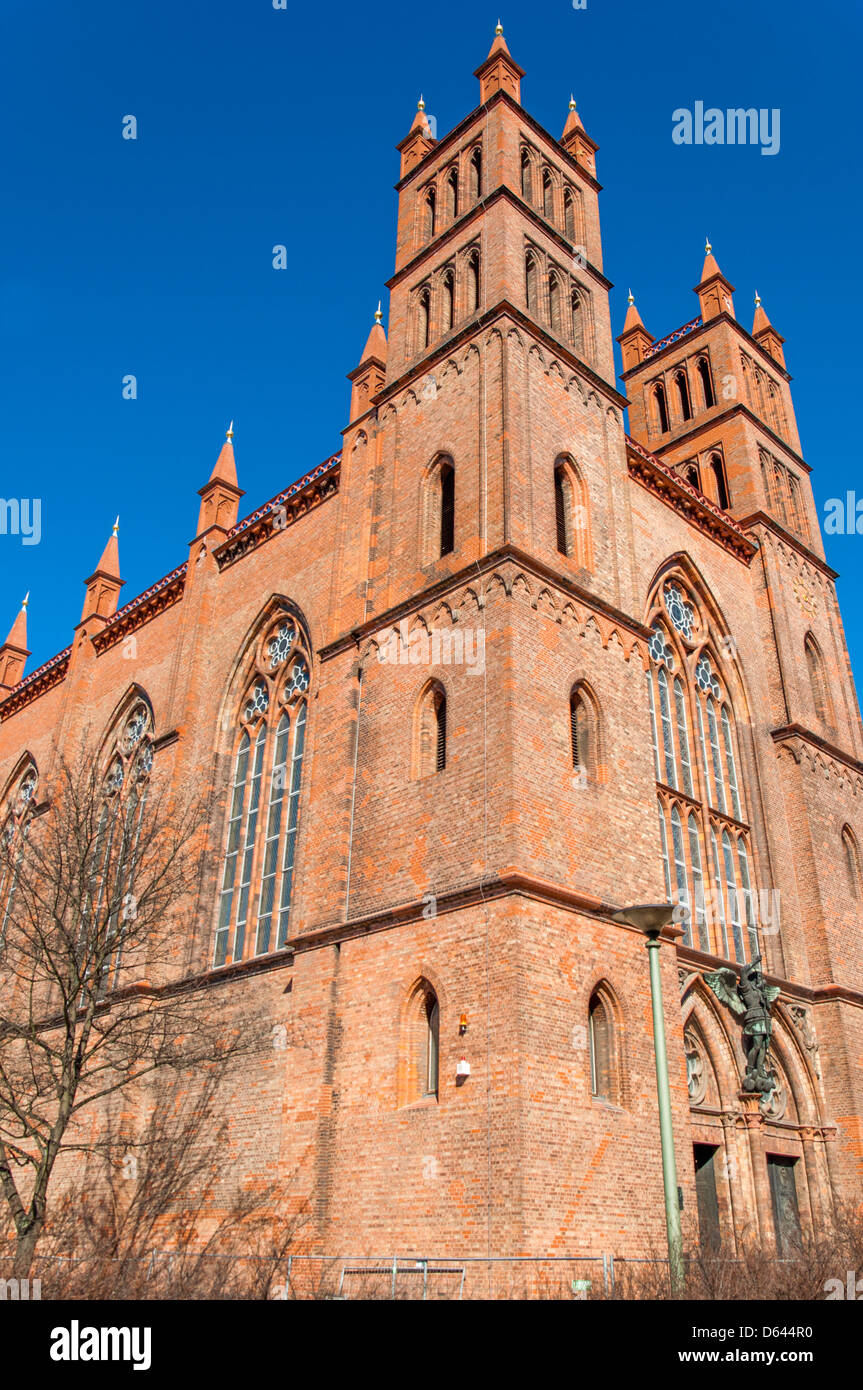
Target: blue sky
259,126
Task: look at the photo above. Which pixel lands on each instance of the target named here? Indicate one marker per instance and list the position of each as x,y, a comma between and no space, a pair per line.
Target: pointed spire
499,72
420,121
376,343
104,584
633,317
220,498
109,565
14,651
635,339
499,44
573,122
418,141
18,632
368,378
225,468
710,265
760,321
713,290
765,334
576,141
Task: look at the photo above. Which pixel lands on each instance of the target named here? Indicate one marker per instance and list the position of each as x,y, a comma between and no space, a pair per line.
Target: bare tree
98,892
156,1215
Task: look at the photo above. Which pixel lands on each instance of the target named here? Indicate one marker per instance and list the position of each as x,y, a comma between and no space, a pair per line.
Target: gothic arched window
555,301
571,513
260,850
12,836
429,214
720,486
473,282
569,213
531,282
707,396
129,763
578,326
704,838
423,318
602,1044
660,408
448,315
583,731
852,861
475,175
547,195
447,509
526,188
437,508
452,194
430,743
818,683
682,387
419,1062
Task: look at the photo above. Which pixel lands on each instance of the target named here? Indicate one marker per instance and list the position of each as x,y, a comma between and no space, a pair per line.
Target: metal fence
179,1274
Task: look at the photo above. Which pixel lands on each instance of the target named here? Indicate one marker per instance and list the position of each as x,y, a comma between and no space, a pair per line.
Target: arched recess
418,1073
586,737
133,697
526,176
475,175
572,513
25,765
681,386
16,808
429,214
437,509
451,187
818,684
605,1045
707,777
423,318
531,282
851,857
429,746
717,1030
659,409
708,396
262,748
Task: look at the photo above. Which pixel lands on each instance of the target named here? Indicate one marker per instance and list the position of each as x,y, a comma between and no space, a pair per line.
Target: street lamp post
650,918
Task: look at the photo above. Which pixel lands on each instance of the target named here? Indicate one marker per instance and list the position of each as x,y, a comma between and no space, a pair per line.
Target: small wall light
462,1024
462,1069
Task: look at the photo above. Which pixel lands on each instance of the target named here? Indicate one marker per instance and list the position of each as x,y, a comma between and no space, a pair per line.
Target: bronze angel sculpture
752,998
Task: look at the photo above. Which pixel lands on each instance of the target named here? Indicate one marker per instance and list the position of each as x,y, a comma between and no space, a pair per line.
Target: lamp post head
649,918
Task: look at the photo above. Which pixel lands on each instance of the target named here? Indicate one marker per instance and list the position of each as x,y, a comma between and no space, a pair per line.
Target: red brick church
490,672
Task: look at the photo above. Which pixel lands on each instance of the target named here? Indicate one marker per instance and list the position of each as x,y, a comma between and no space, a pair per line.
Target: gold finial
498,30
631,300
229,432
757,300
26,599
571,102
421,106
116,526
707,247
379,316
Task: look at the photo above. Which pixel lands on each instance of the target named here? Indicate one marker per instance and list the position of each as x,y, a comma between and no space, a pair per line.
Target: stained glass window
701,802
263,804
681,613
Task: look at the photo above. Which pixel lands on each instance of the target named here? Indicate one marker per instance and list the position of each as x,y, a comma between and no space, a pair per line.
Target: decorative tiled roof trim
32,686
656,475
294,502
161,595
673,337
